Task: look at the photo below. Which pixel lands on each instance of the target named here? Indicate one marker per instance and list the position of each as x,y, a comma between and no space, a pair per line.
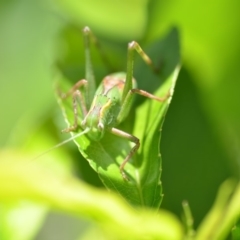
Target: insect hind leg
131,138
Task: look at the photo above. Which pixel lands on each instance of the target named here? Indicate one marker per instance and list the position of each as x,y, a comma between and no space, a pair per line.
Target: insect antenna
62,143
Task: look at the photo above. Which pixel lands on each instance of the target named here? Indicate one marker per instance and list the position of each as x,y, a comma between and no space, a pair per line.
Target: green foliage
236,231
200,138
69,195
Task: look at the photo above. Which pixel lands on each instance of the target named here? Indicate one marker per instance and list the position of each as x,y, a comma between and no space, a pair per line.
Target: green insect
107,106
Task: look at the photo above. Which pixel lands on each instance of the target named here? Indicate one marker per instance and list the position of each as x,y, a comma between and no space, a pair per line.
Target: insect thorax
105,106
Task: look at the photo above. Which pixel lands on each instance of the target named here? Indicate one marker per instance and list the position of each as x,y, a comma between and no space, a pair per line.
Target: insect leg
75,87
87,31
132,47
127,103
77,98
131,138
89,73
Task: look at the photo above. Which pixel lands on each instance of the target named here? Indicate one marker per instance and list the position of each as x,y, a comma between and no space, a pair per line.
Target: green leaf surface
13,211
67,194
105,16
144,121
211,53
224,213
236,231
28,30
11,220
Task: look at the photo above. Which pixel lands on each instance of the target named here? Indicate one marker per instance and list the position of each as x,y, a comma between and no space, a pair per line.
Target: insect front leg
127,103
89,37
132,47
128,90
77,99
89,73
131,138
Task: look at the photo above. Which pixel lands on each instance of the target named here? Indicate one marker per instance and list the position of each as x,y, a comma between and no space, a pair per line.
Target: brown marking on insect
109,82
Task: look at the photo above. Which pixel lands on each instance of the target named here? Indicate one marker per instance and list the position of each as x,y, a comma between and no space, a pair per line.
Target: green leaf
11,220
67,194
105,156
223,214
236,231
105,16
28,30
57,163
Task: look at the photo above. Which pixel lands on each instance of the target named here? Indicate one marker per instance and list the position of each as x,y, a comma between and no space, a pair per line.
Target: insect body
106,106
103,109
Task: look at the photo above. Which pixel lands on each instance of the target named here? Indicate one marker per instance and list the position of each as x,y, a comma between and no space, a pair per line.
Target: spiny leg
75,87
127,96
127,103
76,95
149,95
87,31
85,97
131,138
89,73
132,47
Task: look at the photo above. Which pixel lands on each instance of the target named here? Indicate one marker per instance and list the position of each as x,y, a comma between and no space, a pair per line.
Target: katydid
102,109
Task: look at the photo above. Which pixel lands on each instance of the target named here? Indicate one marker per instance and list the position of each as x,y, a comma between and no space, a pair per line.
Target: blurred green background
201,133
